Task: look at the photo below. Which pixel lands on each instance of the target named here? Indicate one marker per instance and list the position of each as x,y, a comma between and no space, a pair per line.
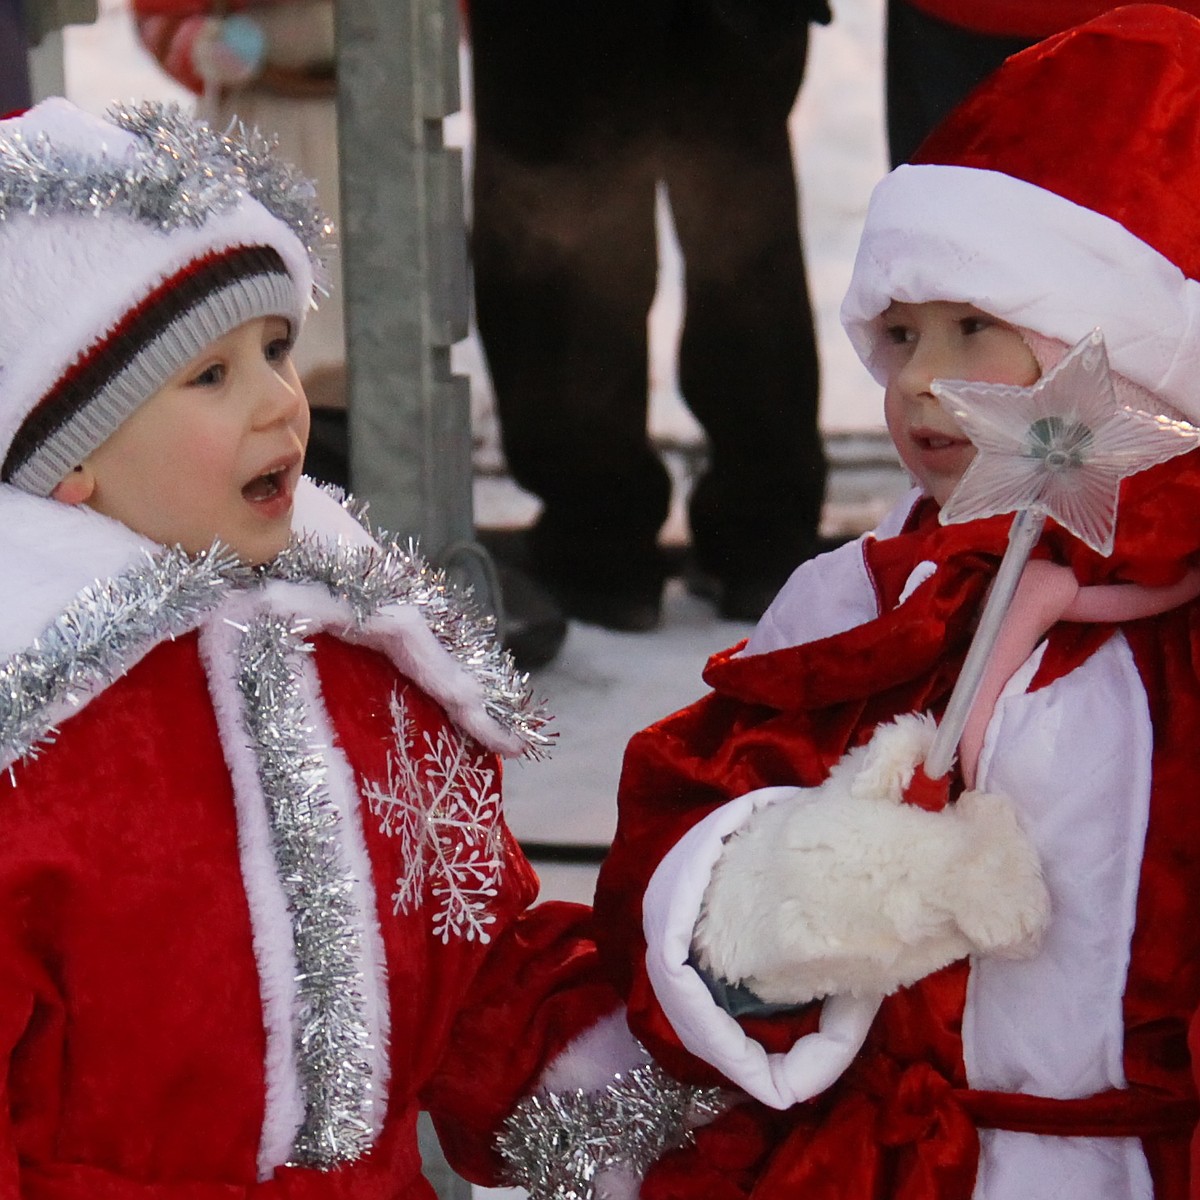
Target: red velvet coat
902,1123
153,1000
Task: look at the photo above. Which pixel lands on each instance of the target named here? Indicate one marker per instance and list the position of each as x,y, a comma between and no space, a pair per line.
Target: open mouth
935,441
272,488
266,486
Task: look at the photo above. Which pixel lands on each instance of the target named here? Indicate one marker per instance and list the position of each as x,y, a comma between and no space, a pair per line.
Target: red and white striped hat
127,245
1062,195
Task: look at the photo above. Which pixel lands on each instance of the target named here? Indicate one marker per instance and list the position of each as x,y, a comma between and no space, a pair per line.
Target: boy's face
215,453
941,339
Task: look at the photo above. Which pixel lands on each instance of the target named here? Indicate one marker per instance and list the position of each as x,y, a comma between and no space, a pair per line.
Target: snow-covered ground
604,686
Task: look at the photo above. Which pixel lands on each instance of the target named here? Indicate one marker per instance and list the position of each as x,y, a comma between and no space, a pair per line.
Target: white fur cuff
669,914
592,1059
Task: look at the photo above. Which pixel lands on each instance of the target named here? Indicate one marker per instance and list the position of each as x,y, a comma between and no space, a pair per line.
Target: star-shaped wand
1059,449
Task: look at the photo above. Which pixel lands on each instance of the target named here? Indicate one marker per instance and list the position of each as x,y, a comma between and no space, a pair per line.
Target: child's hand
846,889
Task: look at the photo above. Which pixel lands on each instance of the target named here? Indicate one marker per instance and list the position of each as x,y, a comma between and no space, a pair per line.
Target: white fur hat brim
1033,259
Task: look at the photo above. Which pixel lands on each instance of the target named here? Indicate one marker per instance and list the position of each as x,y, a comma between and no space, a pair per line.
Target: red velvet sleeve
539,986
1194,1158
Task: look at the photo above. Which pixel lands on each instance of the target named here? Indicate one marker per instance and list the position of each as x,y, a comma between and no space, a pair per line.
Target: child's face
215,453
942,340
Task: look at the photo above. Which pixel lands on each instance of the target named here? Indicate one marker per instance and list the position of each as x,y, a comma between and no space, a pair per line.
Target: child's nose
280,399
927,362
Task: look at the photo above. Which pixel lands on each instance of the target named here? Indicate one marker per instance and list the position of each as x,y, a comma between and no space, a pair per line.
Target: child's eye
278,349
211,376
898,335
970,325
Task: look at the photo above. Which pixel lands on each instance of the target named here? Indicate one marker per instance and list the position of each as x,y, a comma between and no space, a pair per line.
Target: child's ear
76,488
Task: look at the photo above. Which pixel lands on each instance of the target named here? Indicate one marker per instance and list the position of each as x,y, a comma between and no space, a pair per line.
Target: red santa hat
127,245
1062,195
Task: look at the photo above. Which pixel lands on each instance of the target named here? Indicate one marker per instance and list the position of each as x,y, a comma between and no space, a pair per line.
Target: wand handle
1022,537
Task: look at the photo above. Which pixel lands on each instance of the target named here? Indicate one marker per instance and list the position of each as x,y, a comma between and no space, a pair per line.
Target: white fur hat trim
1033,259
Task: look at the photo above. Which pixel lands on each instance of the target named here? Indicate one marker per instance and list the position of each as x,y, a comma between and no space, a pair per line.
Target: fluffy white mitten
844,888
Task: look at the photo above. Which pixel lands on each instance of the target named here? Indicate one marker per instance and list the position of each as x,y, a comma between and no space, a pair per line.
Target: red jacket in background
168,29
1023,18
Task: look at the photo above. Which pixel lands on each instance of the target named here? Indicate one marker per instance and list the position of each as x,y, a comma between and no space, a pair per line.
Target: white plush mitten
845,889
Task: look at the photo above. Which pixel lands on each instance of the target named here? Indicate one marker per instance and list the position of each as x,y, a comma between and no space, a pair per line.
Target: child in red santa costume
258,904
1032,949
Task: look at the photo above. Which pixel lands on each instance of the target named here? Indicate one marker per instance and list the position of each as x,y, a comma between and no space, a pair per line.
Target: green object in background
44,23
48,16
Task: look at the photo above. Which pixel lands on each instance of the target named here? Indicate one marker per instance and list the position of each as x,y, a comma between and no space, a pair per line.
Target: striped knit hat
128,245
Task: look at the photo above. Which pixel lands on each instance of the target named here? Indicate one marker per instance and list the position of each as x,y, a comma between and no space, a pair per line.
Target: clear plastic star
1059,448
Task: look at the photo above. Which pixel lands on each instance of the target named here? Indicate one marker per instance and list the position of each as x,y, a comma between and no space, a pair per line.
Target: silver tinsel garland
100,634
370,577
112,622
331,1037
182,173
555,1144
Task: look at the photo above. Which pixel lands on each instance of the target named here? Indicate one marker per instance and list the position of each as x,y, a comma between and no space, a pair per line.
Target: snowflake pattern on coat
442,802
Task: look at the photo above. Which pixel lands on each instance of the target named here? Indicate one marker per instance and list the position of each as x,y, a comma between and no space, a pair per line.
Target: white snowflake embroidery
444,807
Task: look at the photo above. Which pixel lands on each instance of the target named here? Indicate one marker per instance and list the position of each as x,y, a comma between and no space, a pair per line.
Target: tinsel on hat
103,222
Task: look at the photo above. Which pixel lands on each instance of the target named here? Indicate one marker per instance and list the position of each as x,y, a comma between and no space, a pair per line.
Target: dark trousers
931,66
581,108
14,66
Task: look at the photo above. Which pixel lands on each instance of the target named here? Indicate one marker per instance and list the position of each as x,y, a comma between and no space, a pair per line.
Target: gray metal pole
404,274
404,259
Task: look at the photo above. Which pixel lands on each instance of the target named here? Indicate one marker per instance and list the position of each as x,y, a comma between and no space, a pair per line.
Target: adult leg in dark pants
580,108
748,356
14,64
565,264
931,66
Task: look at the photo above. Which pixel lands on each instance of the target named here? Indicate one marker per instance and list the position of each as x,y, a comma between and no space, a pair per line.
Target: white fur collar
50,552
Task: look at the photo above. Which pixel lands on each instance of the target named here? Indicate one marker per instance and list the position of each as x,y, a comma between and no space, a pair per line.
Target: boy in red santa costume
996,1000
258,904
